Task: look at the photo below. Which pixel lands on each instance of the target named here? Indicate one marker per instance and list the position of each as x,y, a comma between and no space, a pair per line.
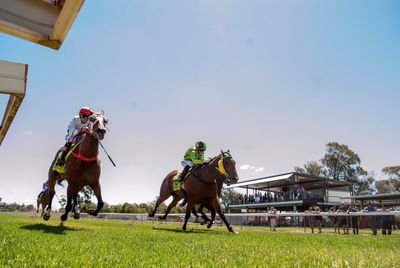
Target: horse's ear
222,153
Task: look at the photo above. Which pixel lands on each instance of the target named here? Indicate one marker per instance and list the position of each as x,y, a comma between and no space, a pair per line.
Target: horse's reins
88,130
220,169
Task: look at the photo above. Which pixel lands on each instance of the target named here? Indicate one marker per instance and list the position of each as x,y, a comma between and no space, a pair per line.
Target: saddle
60,169
177,185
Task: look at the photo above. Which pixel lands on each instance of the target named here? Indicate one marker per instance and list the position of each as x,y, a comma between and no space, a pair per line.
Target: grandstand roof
286,179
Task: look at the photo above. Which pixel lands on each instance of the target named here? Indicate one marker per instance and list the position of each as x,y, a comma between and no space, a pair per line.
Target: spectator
302,192
311,219
371,220
318,219
343,220
387,221
353,219
335,220
273,219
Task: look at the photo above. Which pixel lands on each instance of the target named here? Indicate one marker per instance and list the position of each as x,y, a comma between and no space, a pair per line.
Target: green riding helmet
200,146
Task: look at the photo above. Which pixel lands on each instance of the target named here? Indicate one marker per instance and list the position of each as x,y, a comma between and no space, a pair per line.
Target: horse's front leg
222,216
68,207
38,202
97,192
189,208
46,215
76,208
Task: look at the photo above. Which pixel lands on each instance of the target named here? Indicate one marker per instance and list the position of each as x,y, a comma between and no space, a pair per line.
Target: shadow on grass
60,230
191,230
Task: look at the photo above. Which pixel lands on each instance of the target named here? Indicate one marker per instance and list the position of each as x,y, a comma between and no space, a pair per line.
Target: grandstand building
290,192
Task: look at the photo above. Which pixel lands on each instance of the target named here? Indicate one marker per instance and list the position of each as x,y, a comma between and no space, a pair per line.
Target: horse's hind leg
203,215
171,206
163,196
212,210
97,192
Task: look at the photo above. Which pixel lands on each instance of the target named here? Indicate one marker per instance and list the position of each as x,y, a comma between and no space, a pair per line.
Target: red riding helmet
86,111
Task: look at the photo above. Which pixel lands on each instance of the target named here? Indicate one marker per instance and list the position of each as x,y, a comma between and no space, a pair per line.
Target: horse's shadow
59,230
192,230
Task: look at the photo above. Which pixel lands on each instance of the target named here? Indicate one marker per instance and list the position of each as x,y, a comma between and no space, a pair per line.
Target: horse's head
97,125
227,167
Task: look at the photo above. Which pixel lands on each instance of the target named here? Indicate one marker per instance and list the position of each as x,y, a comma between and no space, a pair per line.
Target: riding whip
109,157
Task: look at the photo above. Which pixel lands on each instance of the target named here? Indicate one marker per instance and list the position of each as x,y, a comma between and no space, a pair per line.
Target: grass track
28,241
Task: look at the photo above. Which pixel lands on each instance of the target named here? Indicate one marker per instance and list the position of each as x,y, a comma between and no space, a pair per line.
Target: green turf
28,241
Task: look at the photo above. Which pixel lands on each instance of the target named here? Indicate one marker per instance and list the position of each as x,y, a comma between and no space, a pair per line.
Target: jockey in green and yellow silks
194,156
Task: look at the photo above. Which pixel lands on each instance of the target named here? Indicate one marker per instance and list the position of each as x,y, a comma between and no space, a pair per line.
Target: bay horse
200,187
42,200
82,168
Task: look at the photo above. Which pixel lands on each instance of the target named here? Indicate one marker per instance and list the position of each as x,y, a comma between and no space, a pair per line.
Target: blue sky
273,81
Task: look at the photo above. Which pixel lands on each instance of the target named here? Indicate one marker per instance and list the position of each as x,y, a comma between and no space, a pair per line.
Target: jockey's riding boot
61,160
183,173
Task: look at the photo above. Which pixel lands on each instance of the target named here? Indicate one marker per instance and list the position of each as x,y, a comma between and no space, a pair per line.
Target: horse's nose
235,179
101,133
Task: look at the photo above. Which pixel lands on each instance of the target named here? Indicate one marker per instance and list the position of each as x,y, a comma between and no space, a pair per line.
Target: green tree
393,172
312,168
364,185
341,163
86,194
384,186
229,196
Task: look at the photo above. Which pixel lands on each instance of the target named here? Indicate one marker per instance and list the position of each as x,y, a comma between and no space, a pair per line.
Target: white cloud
27,132
244,166
256,169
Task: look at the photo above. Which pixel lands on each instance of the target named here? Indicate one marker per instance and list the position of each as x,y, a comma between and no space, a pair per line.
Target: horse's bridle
221,168
93,120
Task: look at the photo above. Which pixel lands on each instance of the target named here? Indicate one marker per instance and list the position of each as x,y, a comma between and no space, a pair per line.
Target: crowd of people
343,223
279,194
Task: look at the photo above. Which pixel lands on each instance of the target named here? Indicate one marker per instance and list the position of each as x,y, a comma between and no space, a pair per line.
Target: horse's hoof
92,212
232,230
77,216
46,217
63,217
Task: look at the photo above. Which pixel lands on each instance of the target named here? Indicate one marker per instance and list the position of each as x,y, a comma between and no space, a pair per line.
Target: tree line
341,163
